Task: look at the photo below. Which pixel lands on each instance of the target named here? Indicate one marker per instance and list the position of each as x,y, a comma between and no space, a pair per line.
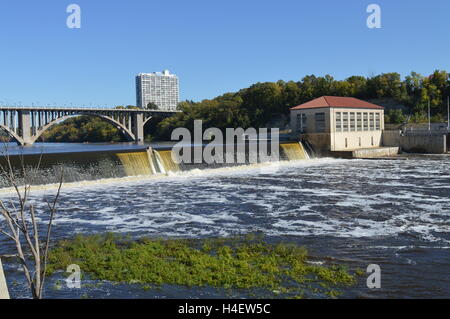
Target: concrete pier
366,153
4,294
375,152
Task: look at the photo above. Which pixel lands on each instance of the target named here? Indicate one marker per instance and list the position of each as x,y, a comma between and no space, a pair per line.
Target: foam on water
324,197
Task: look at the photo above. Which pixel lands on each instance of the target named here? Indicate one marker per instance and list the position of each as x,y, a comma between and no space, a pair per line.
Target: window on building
352,122
346,142
372,121
366,121
301,123
377,122
338,122
359,122
320,122
345,122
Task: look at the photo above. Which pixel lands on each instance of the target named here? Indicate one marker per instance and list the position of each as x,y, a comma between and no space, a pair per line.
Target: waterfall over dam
165,161
137,163
145,161
294,151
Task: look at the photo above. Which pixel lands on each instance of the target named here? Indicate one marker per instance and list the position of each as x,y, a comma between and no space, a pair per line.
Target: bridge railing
60,107
87,108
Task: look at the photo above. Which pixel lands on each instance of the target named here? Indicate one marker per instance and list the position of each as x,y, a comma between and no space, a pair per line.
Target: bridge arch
12,134
124,130
147,120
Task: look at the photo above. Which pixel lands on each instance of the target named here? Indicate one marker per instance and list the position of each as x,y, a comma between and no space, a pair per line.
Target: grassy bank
247,263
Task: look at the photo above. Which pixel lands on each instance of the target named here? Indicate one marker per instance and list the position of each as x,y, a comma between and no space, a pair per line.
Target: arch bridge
26,124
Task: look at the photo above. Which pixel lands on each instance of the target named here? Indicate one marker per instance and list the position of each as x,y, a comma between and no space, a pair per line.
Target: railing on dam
433,129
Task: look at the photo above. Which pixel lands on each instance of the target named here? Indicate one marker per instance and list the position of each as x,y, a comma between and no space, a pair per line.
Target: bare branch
24,228
49,229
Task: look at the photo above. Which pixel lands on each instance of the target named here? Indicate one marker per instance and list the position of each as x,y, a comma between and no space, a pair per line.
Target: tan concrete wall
353,140
3,288
391,138
429,144
319,141
310,120
376,152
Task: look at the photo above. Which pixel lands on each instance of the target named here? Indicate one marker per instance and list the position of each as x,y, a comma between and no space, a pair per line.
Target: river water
394,213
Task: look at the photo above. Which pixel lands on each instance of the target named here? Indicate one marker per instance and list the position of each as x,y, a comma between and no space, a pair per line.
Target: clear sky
214,46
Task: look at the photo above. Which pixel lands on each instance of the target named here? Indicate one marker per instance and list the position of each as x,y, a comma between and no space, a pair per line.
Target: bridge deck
81,109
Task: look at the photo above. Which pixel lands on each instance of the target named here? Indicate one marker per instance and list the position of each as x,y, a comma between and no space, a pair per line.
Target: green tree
83,129
395,117
152,106
262,101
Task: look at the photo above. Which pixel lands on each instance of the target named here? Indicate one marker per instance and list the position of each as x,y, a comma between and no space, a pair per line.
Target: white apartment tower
160,88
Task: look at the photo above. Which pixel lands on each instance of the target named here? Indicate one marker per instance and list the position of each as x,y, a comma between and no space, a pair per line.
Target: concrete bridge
26,124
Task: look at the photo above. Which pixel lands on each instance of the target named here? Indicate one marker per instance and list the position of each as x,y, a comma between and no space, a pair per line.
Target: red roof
337,101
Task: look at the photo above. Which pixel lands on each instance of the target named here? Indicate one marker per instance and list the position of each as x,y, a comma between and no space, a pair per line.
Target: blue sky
213,46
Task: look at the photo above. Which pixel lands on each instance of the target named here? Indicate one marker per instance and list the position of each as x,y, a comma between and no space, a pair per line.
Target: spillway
294,151
137,163
95,165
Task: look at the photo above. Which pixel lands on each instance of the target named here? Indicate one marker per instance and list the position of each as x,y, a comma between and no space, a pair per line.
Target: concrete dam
144,161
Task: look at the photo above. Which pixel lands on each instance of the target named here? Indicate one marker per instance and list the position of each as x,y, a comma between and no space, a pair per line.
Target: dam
126,162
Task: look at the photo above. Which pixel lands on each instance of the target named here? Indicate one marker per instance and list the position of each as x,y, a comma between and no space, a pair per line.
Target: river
394,213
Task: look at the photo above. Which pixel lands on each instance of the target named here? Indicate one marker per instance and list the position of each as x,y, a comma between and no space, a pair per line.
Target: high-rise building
160,88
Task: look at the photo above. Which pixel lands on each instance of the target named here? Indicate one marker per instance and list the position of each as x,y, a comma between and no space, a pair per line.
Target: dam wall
93,165
391,138
424,143
417,141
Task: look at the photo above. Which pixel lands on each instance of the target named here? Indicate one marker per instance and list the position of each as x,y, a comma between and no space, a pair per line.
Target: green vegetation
81,129
128,107
247,263
257,105
263,103
152,106
395,117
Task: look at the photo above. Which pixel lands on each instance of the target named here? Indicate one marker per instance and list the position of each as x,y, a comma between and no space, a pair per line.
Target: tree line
262,103
257,105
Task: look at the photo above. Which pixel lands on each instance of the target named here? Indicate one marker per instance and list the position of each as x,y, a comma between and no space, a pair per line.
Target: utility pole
429,116
448,113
